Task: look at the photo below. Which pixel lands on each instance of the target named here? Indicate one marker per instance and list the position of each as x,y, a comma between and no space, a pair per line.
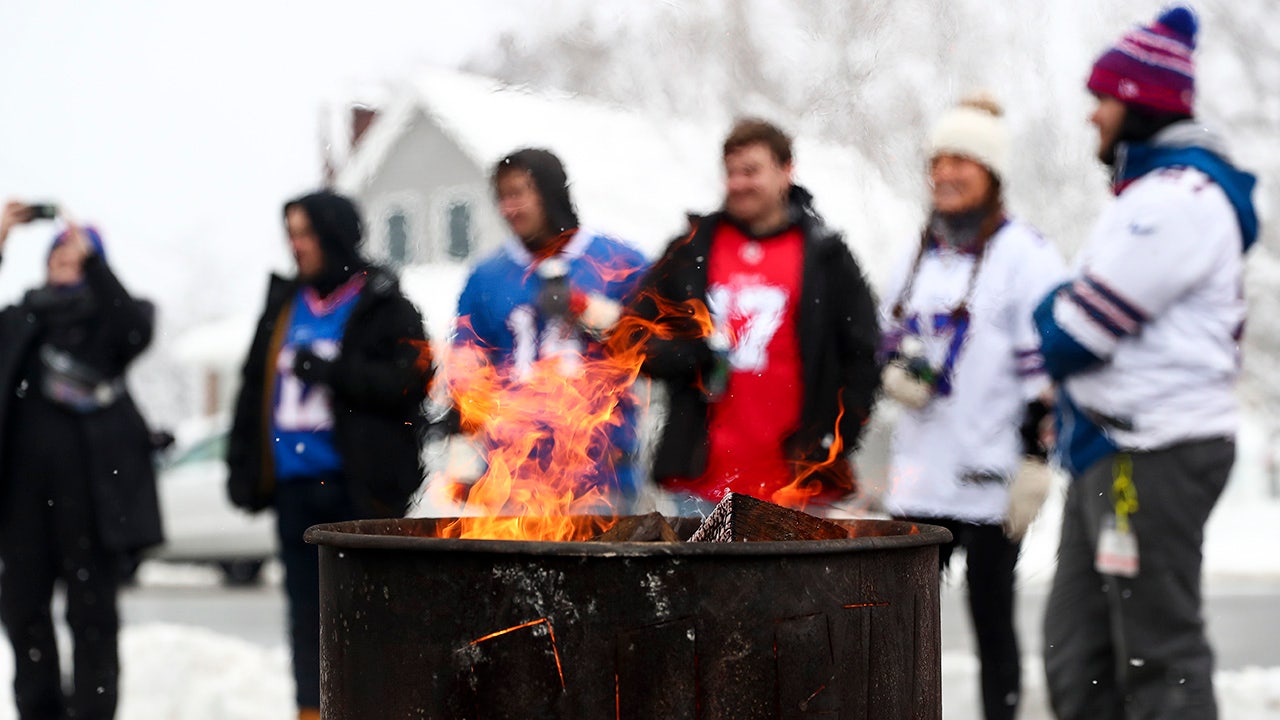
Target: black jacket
379,381
838,331
115,438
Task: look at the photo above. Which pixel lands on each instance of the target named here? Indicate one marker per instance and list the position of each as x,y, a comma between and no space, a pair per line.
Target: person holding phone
77,486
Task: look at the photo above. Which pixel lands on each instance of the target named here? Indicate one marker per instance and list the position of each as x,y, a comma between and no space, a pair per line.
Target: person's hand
14,213
905,386
595,312
464,465
1027,493
555,293
312,369
1036,417
553,298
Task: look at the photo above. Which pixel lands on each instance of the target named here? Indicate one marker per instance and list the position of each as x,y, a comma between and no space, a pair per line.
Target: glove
1027,493
312,369
905,387
464,463
1033,419
449,488
596,313
554,295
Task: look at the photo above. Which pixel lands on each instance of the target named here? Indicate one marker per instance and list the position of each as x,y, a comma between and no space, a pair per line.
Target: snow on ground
175,672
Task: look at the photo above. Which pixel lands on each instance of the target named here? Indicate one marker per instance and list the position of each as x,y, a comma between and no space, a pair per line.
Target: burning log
651,527
741,518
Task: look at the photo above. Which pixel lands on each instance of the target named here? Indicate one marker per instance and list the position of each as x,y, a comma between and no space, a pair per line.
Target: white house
421,171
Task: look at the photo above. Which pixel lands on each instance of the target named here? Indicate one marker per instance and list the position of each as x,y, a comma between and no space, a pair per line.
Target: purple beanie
90,233
1151,66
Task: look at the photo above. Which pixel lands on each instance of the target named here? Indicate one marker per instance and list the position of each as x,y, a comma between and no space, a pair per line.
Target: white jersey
1159,297
954,457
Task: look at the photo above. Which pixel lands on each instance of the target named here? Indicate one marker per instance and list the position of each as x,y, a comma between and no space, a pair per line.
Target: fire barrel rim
390,534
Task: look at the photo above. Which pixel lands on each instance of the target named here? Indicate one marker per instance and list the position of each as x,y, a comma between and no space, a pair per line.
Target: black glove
553,298
1032,418
311,368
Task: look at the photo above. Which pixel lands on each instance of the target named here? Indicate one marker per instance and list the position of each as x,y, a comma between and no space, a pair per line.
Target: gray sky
180,127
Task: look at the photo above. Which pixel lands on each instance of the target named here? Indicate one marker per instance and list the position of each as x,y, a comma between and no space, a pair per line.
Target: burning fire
806,486
547,432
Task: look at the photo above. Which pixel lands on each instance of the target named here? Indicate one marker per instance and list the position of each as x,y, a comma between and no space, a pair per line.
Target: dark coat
116,439
380,379
838,331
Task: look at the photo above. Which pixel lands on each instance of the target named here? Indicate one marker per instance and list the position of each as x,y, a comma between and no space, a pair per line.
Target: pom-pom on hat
973,129
1151,67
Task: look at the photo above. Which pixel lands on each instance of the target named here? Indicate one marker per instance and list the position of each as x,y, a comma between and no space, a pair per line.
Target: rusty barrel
416,626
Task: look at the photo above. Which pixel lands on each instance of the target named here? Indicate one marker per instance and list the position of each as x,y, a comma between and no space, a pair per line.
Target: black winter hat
551,181
337,224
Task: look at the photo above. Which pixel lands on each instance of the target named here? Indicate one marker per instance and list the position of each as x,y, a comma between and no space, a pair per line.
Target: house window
397,238
459,230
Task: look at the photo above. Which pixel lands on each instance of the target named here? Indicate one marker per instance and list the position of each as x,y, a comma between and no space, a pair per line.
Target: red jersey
753,290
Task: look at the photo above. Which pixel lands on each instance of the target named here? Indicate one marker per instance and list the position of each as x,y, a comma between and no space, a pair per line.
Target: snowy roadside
174,672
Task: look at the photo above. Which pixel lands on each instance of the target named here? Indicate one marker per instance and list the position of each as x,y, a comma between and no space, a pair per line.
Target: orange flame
548,432
806,486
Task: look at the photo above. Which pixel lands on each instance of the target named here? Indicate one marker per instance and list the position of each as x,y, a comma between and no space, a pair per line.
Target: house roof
633,175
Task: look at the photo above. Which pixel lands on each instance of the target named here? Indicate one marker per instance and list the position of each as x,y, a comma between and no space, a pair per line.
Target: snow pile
179,672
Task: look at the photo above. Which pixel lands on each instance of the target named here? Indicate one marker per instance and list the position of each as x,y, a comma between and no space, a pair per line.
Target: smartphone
42,211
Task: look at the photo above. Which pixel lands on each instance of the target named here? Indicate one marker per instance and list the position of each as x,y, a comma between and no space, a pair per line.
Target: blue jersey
302,414
498,306
498,312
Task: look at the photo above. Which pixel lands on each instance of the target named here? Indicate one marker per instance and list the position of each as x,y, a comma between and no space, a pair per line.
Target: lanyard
1124,494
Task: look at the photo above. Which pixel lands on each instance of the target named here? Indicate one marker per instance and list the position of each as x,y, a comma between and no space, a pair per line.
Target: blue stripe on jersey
1094,313
1111,296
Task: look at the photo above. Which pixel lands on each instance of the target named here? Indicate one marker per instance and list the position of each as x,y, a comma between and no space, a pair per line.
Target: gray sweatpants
1135,648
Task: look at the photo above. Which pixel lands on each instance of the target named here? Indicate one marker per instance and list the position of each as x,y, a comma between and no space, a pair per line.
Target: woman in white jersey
964,362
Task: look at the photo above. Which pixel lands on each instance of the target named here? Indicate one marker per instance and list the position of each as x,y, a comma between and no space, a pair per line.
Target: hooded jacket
337,224
551,182
839,335
379,379
107,332
1144,338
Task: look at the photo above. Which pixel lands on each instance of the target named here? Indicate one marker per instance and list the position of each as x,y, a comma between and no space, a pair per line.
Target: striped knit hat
1151,66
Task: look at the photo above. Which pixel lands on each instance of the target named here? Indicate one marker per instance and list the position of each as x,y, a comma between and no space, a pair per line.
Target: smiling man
779,389
1144,343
